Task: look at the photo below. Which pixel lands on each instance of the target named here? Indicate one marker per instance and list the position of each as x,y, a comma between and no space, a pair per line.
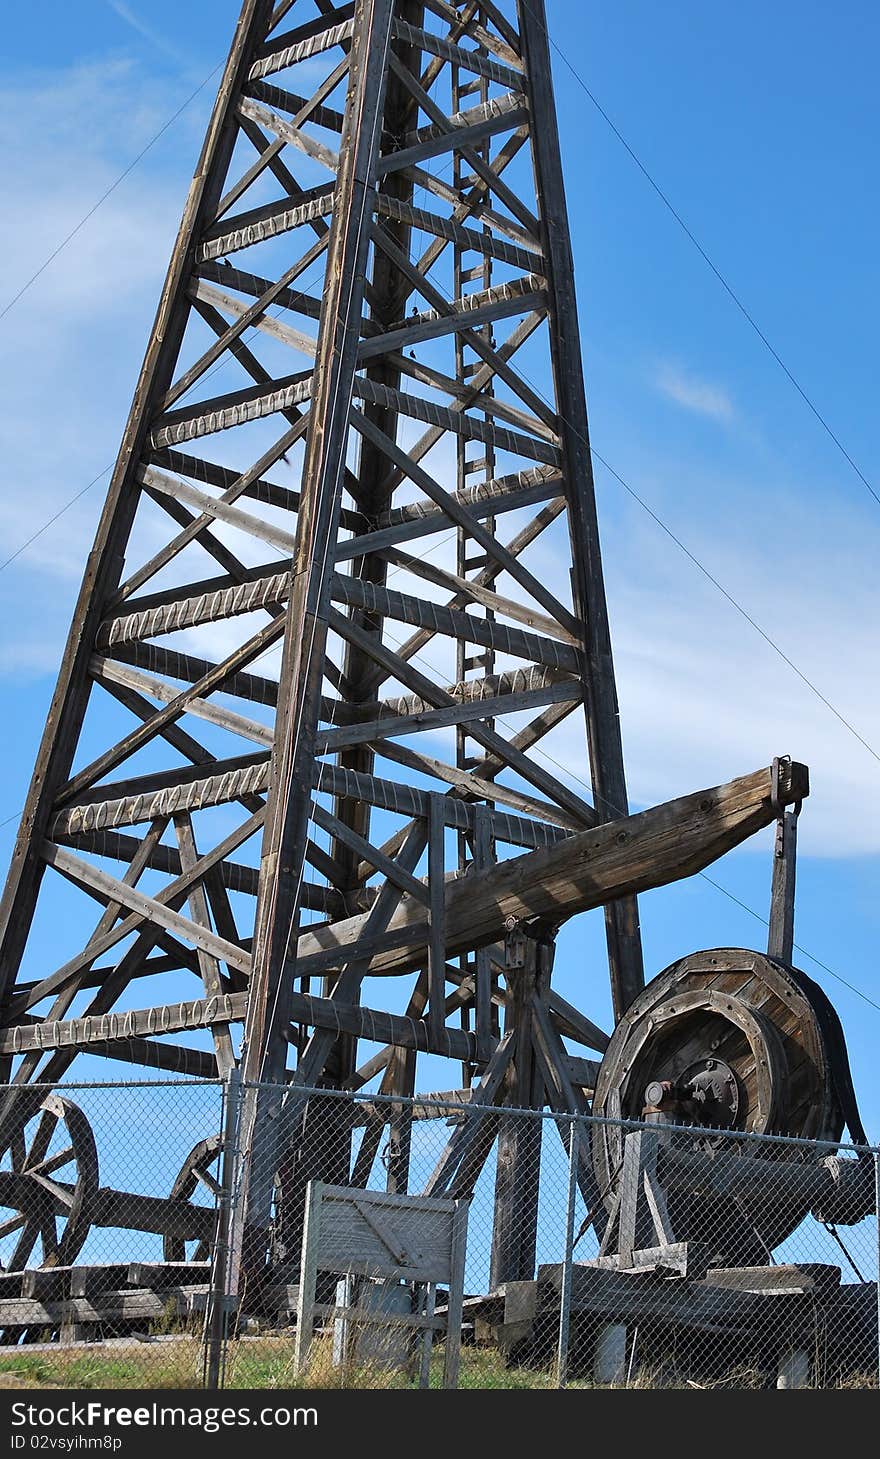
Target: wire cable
692,557
731,896
690,235
105,195
596,455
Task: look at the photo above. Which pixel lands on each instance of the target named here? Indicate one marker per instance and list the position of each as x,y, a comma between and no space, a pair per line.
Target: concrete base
609,1356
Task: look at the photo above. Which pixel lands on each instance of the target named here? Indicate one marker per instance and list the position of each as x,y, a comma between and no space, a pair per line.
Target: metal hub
706,1093
709,1087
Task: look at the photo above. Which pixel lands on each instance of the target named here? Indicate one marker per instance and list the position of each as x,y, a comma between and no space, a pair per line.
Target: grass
261,1363
267,1363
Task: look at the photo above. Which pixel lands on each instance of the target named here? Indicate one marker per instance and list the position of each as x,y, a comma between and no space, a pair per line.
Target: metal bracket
781,764
514,943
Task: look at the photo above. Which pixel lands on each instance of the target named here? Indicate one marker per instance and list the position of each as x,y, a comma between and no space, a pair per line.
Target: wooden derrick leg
603,720
286,835
517,1179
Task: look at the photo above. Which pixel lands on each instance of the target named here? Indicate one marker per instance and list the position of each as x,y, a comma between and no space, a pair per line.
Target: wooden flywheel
732,1040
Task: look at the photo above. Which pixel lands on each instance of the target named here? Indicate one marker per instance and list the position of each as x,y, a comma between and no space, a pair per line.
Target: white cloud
689,391
126,13
70,347
704,698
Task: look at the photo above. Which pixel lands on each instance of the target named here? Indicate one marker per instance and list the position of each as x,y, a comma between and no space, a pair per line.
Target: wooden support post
780,939
631,1178
519,1139
456,1292
574,1138
436,918
483,1010
308,1277
794,1369
223,1271
609,1358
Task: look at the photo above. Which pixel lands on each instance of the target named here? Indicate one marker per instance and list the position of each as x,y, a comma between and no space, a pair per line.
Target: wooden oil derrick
296,745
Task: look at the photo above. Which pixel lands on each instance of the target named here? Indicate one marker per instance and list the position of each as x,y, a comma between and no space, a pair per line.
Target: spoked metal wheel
200,1172
49,1187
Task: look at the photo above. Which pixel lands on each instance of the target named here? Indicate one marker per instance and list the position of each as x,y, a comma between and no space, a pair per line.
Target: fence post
567,1255
216,1327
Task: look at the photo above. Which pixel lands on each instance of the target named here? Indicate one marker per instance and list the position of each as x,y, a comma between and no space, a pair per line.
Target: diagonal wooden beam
459,514
484,1096
657,846
175,890
136,739
247,317
208,964
395,665
149,909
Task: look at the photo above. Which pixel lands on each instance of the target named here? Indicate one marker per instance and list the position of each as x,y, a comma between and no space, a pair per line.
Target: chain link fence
108,1217
457,1245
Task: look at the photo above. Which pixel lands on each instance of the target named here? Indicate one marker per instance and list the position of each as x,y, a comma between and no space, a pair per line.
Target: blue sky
760,123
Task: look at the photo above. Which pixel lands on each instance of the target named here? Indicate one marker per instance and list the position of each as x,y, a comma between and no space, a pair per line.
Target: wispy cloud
70,351
154,37
703,699
703,397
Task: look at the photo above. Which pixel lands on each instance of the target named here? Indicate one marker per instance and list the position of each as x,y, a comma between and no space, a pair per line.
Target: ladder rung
479,271
472,466
479,661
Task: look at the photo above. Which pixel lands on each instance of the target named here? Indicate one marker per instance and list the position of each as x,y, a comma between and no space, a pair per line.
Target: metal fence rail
656,1255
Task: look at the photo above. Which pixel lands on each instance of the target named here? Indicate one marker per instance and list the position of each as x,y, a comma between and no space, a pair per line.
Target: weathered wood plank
253,402
173,894
509,113
424,613
131,802
437,918
379,1027
473,708
471,427
524,295
107,1307
409,801
506,750
465,59
209,966
149,908
108,673
296,136
301,44
485,243
586,870
242,230
485,499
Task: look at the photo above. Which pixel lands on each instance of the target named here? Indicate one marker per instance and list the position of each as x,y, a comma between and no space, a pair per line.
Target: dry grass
266,1363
